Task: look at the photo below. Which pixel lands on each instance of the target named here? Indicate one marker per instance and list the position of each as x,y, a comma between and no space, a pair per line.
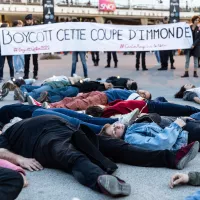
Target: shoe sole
30,101
43,97
111,186
134,117
19,95
189,156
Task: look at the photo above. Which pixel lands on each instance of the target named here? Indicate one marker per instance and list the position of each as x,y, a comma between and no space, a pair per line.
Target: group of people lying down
86,134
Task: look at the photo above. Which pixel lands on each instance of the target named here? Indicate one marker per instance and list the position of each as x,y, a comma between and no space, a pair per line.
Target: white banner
82,36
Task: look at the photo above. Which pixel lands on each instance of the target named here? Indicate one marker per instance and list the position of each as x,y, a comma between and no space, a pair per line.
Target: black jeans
95,57
143,53
164,55
8,112
171,57
10,64
170,109
114,53
27,65
11,184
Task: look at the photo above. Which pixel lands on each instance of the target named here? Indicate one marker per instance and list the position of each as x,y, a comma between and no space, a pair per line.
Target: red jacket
124,107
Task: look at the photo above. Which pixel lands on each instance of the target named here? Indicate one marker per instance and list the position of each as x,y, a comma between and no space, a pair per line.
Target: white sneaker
130,117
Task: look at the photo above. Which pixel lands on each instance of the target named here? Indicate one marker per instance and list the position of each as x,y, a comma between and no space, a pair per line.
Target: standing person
171,57
114,53
157,53
164,54
75,59
195,49
143,53
29,22
9,59
18,60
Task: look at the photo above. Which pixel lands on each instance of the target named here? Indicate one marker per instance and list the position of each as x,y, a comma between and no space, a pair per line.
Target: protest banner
82,36
107,5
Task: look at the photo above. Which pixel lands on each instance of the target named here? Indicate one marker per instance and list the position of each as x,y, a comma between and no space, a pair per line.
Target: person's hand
192,47
30,164
178,179
180,122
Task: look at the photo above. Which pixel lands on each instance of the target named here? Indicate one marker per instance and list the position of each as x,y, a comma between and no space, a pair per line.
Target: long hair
179,94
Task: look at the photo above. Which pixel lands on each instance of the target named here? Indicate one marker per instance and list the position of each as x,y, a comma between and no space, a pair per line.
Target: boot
115,65
185,75
195,74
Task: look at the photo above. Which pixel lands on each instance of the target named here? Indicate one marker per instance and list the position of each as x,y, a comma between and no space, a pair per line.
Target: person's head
145,94
4,25
108,85
29,19
131,85
95,111
195,20
75,20
109,22
115,130
17,23
165,20
179,94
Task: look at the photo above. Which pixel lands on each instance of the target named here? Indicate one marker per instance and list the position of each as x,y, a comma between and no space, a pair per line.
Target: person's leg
187,64
11,184
26,66
2,62
160,99
74,60
93,120
108,59
83,60
144,60
115,58
157,54
59,94
10,64
193,128
8,112
137,60
36,92
97,57
16,63
28,88
171,109
74,121
21,62
93,58
171,56
35,64
196,65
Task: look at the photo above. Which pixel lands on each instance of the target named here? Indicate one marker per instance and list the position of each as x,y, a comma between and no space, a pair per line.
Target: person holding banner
29,22
9,59
195,49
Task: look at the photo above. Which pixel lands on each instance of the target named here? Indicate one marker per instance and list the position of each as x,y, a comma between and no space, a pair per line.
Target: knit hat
29,17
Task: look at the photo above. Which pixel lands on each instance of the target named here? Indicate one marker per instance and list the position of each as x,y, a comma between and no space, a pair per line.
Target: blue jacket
196,196
150,136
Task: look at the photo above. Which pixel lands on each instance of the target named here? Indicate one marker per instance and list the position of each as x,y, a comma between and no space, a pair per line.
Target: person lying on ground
52,142
192,178
7,113
124,83
59,94
83,101
35,91
189,92
124,107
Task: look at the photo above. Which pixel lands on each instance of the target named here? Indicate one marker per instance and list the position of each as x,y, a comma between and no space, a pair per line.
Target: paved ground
146,183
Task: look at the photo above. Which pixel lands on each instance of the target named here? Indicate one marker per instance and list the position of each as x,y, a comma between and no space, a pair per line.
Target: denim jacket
195,196
150,136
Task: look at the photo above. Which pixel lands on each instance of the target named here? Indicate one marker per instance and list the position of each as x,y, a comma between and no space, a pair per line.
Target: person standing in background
18,60
157,53
9,59
109,53
143,53
195,49
29,22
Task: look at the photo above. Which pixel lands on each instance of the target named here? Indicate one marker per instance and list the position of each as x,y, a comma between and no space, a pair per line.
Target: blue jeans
34,91
74,61
95,124
59,94
157,54
170,109
10,64
187,60
18,61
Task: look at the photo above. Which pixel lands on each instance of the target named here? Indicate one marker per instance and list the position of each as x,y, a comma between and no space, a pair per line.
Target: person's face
29,21
189,86
196,22
116,130
144,94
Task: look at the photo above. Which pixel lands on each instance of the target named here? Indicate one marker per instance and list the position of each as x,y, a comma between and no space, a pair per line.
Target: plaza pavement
146,183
